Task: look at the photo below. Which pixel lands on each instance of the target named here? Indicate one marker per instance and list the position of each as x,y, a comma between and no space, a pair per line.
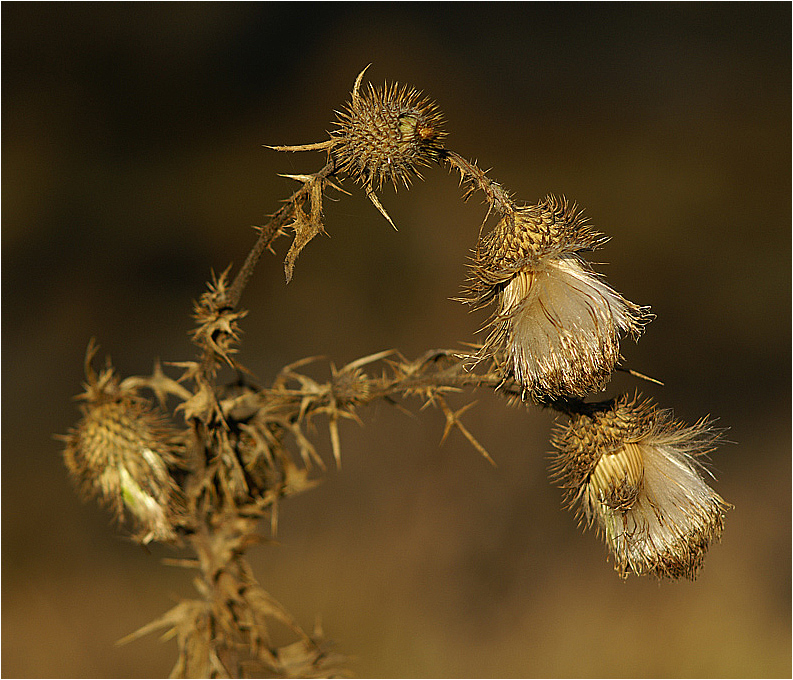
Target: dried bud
218,329
632,471
121,451
386,135
557,324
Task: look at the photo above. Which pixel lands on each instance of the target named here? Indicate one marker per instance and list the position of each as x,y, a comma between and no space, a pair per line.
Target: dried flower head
383,134
386,134
557,324
631,470
121,451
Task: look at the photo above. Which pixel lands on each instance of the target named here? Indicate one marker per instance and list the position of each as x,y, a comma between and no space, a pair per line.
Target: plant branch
497,197
268,233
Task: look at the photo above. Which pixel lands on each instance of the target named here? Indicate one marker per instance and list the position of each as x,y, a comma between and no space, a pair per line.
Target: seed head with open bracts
557,324
632,471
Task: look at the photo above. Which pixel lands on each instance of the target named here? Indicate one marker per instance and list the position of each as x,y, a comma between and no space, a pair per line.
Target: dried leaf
306,227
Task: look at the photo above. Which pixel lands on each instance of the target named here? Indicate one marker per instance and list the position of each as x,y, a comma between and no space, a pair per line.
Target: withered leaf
306,227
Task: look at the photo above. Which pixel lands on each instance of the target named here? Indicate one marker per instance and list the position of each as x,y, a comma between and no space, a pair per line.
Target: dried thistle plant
202,475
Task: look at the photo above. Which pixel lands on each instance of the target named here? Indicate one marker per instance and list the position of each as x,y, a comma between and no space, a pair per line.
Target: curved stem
496,195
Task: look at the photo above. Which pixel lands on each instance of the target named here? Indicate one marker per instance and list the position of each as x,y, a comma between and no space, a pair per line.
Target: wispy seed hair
631,470
557,324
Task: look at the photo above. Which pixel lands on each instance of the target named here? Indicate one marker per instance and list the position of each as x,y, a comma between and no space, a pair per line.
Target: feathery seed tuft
632,472
557,324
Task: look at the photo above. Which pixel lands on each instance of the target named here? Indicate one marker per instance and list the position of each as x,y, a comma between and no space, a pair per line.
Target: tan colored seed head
386,134
557,324
631,471
122,451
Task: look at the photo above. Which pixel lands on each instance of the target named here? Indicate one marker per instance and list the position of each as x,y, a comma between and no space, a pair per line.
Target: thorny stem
496,195
267,234
434,372
414,377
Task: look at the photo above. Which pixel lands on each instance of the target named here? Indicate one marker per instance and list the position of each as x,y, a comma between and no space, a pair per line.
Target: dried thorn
337,187
274,516
333,427
307,451
404,410
452,417
370,193
299,178
641,376
184,563
183,612
287,370
317,146
481,449
357,85
453,420
370,359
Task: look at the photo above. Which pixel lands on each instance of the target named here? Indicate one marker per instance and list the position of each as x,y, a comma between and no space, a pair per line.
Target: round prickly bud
386,135
632,472
121,452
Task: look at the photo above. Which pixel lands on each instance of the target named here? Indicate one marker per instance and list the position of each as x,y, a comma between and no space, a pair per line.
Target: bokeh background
133,165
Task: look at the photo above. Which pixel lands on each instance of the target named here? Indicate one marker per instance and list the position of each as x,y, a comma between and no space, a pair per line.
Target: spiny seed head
557,324
386,134
551,228
631,471
121,452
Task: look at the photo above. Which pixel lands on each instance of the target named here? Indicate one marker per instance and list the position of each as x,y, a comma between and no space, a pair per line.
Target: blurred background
133,165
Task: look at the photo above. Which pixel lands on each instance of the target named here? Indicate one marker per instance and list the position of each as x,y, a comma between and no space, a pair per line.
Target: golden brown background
133,164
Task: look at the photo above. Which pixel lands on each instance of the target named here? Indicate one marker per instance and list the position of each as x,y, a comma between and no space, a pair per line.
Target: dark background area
133,165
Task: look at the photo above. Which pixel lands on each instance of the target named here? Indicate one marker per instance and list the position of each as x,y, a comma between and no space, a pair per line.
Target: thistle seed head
631,471
121,452
551,228
386,135
557,324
